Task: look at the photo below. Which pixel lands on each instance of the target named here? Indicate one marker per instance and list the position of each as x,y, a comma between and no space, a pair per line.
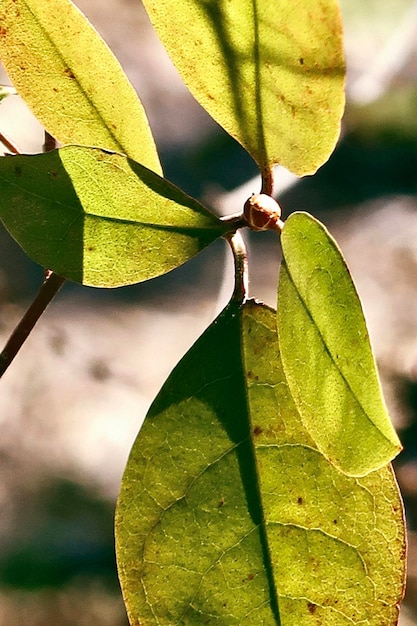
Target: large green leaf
99,218
71,80
229,514
326,352
270,73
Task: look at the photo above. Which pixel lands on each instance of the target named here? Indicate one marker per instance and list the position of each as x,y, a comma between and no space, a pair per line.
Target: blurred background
74,399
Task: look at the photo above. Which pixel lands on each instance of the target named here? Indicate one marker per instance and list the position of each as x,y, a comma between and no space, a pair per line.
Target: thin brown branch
234,221
9,144
268,181
50,287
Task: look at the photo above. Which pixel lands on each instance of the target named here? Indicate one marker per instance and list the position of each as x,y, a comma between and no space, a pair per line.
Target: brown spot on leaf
301,60
69,73
311,607
257,430
3,31
53,174
335,521
299,500
251,576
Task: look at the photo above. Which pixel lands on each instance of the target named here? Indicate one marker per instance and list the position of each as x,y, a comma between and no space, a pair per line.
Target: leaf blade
71,80
165,467
329,562
99,218
330,366
272,78
187,544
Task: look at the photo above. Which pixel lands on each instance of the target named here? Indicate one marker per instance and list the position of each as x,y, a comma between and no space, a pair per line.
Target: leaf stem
235,221
8,144
268,181
241,266
49,288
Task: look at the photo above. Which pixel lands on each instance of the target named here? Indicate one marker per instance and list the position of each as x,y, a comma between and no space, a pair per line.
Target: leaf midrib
71,208
274,600
75,73
327,350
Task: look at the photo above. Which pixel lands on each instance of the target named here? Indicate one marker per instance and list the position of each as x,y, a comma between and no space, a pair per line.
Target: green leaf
99,218
229,514
271,74
6,91
70,79
326,352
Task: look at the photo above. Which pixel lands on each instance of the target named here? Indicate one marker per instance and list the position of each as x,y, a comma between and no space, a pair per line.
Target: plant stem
241,266
235,221
50,287
8,144
268,182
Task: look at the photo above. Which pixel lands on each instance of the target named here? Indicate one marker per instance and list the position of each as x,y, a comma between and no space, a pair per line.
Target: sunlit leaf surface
270,73
70,79
228,512
326,352
99,218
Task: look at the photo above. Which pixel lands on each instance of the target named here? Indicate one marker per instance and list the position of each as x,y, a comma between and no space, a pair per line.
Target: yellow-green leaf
326,352
228,512
271,73
70,79
99,218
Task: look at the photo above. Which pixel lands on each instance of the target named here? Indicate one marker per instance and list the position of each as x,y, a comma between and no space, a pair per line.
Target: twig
268,181
8,144
50,287
234,222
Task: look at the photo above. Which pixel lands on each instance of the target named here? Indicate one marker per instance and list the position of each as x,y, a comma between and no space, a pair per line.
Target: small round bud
262,212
